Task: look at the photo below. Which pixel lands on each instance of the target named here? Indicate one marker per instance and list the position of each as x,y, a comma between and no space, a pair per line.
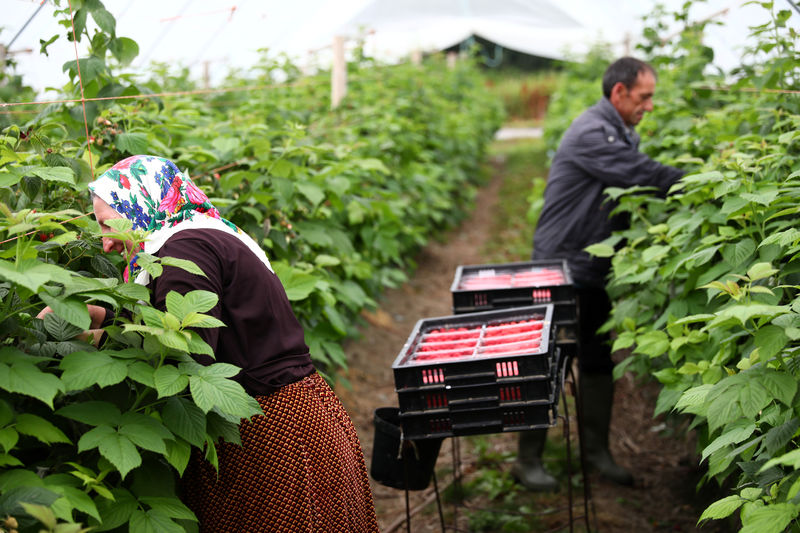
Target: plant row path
665,464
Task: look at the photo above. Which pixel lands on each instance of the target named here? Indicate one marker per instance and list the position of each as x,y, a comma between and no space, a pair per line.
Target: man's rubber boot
596,395
528,468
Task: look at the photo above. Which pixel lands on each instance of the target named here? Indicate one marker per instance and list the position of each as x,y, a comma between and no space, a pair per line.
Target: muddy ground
665,466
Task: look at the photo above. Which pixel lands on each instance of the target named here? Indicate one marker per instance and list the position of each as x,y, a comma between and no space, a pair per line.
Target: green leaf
132,142
297,283
118,511
145,432
723,409
141,372
120,452
93,413
198,320
774,518
770,340
313,193
8,438
753,397
184,264
185,419
33,274
42,513
178,454
153,521
198,346
211,392
200,301
761,271
171,507
61,329
77,499
104,20
315,233
152,317
600,250
84,369
133,291
175,305
790,459
762,197
40,428
722,508
26,378
781,386
742,312
174,340
652,343
169,381
737,253
780,436
734,433
125,50
57,174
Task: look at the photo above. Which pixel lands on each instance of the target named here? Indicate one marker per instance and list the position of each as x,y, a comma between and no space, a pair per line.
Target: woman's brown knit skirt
300,468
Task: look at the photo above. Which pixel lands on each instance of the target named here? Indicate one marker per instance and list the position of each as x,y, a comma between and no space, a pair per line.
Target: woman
300,466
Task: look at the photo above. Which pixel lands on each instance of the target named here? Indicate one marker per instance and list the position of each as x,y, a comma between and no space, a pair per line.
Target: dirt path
664,497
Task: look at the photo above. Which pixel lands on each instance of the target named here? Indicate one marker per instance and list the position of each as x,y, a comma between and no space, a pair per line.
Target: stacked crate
475,373
478,288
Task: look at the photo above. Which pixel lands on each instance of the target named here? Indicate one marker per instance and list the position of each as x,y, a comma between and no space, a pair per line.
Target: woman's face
102,213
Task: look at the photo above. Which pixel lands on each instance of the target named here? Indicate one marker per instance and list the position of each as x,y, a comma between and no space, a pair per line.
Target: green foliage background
705,282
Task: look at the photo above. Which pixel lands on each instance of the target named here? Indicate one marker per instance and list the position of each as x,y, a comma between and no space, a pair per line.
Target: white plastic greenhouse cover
211,36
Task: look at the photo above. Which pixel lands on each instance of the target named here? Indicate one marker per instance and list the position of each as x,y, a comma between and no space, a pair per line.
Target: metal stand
587,498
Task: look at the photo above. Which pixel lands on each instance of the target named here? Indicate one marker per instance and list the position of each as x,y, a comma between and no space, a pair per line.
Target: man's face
631,104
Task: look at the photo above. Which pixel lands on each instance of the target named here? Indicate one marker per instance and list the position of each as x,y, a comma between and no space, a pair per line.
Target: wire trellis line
142,96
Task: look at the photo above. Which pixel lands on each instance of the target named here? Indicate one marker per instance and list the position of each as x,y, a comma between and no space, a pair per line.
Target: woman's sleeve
181,281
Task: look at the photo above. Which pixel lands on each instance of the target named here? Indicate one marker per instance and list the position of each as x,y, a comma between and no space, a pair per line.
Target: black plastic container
481,392
397,462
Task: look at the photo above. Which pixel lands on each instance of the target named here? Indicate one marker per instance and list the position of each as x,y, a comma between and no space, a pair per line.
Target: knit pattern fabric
300,468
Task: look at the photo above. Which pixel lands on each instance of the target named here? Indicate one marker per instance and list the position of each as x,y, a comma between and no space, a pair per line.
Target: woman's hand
97,316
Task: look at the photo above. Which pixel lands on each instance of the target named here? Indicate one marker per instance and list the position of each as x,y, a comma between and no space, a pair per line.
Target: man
598,150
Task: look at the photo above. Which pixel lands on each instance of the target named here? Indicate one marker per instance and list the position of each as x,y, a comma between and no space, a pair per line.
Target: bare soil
661,455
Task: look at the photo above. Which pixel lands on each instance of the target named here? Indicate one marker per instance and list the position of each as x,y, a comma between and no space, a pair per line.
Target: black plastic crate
520,416
486,287
479,367
465,397
481,417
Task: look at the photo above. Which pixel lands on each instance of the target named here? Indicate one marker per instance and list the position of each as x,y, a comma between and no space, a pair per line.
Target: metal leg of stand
405,486
456,453
587,490
438,502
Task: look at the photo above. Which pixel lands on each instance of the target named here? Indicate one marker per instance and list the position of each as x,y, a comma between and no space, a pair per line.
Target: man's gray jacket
596,152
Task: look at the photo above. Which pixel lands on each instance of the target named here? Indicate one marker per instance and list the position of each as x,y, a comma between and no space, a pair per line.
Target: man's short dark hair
624,70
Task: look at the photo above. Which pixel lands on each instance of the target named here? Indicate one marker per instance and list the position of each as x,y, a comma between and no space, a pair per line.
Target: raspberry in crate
477,288
491,364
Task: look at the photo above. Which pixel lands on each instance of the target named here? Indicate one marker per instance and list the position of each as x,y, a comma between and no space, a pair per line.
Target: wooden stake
416,57
339,72
452,58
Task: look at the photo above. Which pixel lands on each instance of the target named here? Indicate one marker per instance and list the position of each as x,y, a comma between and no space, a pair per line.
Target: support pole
339,72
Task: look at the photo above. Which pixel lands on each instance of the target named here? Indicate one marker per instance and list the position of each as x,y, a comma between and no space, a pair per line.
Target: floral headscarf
156,196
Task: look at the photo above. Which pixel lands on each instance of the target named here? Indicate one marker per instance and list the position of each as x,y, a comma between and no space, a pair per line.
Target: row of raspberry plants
341,201
705,282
